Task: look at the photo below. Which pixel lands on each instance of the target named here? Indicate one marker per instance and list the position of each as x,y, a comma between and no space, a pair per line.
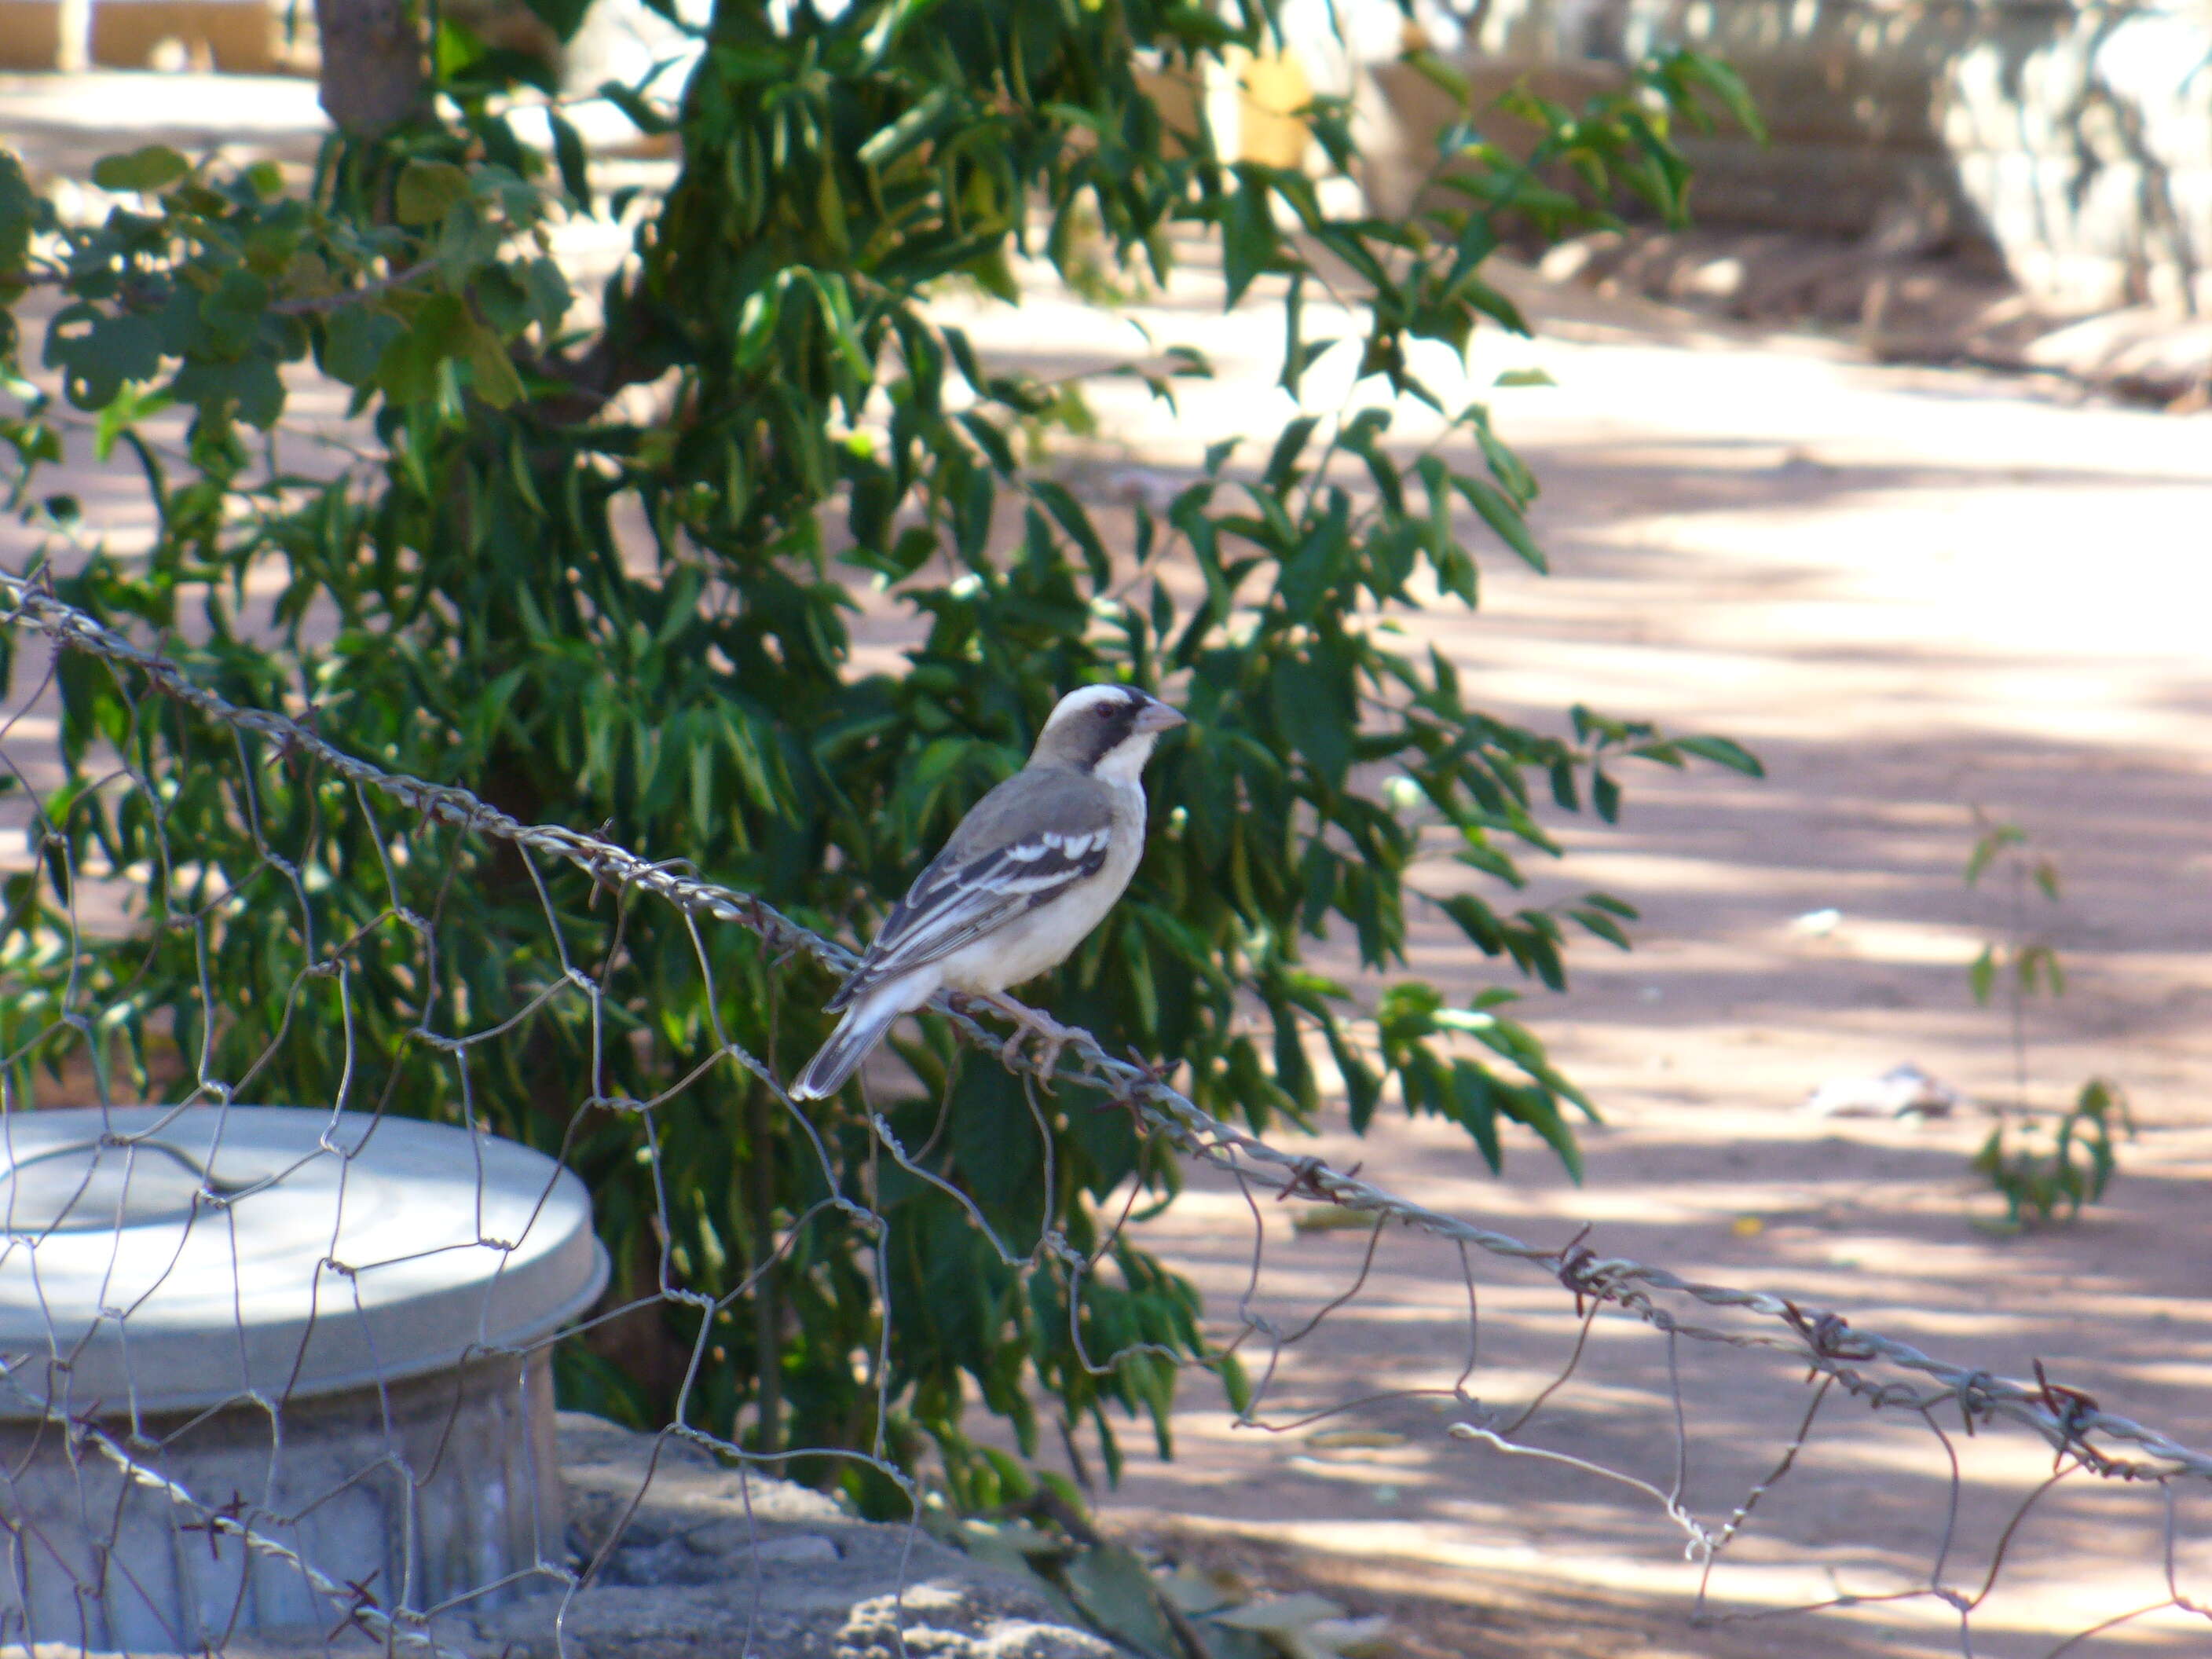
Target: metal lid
162,1258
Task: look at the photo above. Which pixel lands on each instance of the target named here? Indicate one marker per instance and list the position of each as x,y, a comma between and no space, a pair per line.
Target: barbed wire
1885,1373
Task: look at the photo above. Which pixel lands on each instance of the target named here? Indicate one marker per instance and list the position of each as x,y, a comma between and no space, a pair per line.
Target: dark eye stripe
1119,718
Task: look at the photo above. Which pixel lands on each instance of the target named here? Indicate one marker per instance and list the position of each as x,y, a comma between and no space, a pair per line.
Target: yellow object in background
1272,88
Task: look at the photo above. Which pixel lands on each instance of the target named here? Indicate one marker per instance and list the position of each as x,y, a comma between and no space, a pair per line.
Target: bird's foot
1052,1036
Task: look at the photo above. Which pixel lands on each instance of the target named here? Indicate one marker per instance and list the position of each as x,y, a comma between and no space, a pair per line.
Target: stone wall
2088,151
691,1560
239,37
694,1560
2073,141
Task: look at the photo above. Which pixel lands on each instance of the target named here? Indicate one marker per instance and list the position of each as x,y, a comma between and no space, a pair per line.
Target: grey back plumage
1015,850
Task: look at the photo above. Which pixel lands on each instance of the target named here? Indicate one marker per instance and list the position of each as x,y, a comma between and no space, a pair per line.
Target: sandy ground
1915,593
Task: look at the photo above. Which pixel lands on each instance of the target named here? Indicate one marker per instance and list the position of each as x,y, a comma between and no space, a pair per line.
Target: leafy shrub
2036,1184
456,603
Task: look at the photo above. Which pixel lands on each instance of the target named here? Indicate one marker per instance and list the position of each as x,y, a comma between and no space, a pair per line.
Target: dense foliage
767,394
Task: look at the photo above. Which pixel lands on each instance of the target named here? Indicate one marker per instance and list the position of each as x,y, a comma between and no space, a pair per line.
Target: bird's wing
1022,846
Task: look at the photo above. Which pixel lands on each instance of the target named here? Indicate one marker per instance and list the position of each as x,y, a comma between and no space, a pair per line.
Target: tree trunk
373,77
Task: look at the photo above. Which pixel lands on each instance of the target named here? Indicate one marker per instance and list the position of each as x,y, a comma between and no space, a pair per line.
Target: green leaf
1314,568
427,192
545,289
251,388
1724,752
492,373
994,1144
442,329
1534,1107
1441,75
1605,795
992,442
1696,69
642,115
1314,717
1069,514
569,156
1503,518
1473,1106
1993,841
1477,921
353,341
1494,304
931,115
1291,1070
2036,962
1603,924
123,414
232,312
1248,237
1236,1382
1983,975
19,216
1363,1090
1282,464
153,168
98,353
1116,1592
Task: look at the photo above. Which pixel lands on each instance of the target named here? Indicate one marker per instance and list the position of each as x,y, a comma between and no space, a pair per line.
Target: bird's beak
1156,716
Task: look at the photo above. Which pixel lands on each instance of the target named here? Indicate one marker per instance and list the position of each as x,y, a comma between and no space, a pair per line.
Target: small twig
369,290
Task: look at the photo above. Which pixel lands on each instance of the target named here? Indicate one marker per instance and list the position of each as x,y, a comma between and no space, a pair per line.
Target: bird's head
1107,730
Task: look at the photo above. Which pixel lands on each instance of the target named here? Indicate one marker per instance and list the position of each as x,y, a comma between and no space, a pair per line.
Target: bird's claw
1049,1056
1050,1034
1010,1051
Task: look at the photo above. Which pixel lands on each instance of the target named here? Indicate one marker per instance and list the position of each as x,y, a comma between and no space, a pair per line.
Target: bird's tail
856,1035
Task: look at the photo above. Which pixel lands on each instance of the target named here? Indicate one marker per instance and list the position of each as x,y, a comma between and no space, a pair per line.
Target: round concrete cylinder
325,1328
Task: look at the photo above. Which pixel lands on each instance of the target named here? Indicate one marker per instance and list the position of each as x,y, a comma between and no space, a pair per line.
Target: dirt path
1915,593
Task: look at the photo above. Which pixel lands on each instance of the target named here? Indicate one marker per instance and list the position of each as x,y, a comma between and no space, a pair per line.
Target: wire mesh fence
268,1369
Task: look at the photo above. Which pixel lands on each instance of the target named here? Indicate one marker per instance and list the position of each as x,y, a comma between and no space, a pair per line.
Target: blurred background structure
2058,148
2023,182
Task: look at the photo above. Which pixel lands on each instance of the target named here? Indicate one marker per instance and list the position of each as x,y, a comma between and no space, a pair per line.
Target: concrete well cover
162,1259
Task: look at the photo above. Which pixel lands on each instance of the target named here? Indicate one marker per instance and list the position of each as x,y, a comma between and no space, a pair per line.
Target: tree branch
347,297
